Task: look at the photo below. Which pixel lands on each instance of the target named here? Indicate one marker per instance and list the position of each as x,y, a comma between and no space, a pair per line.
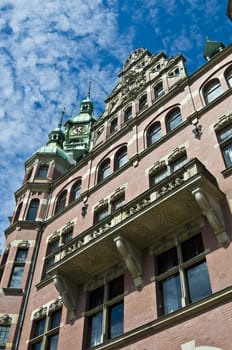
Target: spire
89,91
86,105
61,118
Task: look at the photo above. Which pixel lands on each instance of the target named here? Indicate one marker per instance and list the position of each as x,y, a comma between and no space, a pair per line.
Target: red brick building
121,235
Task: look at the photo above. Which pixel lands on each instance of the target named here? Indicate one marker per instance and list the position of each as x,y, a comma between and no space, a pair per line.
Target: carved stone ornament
54,236
157,167
102,203
132,258
135,55
41,312
117,193
177,153
24,244
223,122
57,304
213,213
68,226
5,320
69,293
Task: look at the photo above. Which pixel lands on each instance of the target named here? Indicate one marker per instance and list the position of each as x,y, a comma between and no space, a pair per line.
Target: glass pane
16,277
52,246
101,214
192,247
32,212
213,91
39,327
121,158
159,90
116,320
21,255
4,331
95,329
198,282
174,120
179,163
52,342
55,319
167,260
43,170
68,236
116,287
37,346
229,78
75,192
128,114
225,134
154,134
96,297
117,203
155,179
171,293
228,155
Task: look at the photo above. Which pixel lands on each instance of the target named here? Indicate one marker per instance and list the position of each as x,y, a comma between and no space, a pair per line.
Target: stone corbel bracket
211,208
69,293
132,258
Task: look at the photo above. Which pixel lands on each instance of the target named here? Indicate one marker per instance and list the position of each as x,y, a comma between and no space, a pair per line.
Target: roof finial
89,90
62,117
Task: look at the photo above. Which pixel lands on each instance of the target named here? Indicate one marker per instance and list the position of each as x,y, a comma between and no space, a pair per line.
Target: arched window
158,90
33,209
212,90
18,211
128,114
154,133
104,170
143,102
61,201
120,158
228,76
173,119
75,191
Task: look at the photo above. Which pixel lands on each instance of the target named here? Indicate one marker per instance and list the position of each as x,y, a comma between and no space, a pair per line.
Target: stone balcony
178,200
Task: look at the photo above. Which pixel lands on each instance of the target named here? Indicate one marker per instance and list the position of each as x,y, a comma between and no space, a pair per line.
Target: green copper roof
212,48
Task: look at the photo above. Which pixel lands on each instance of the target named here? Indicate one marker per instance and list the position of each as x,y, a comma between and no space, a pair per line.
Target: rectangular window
4,332
18,268
182,275
105,312
43,171
45,332
52,249
117,203
178,163
159,176
101,214
225,140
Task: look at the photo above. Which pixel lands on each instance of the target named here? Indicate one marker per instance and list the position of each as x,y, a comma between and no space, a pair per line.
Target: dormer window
43,171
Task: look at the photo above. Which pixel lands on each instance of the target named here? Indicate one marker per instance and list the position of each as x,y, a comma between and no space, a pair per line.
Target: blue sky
50,49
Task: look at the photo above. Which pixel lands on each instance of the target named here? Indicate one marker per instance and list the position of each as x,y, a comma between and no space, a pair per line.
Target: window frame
75,191
4,335
113,127
43,171
212,90
177,267
127,114
152,131
225,144
33,210
104,170
101,308
16,278
158,90
143,103
228,76
171,117
61,202
120,158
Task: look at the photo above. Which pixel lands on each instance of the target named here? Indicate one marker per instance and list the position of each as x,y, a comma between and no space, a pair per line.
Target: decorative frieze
176,153
223,122
157,167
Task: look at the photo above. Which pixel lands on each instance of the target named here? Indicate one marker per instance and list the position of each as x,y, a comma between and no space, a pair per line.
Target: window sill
13,291
227,172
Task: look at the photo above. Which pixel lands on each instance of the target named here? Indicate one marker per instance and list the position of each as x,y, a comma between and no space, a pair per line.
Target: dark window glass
101,214
43,171
116,320
117,203
4,332
33,209
114,125
52,343
128,114
61,201
16,277
229,77
52,246
104,170
192,247
121,158
158,90
174,119
39,327
116,287
167,260
55,319
75,191
21,255
158,177
154,134
143,102
36,346
96,297
228,155
68,236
